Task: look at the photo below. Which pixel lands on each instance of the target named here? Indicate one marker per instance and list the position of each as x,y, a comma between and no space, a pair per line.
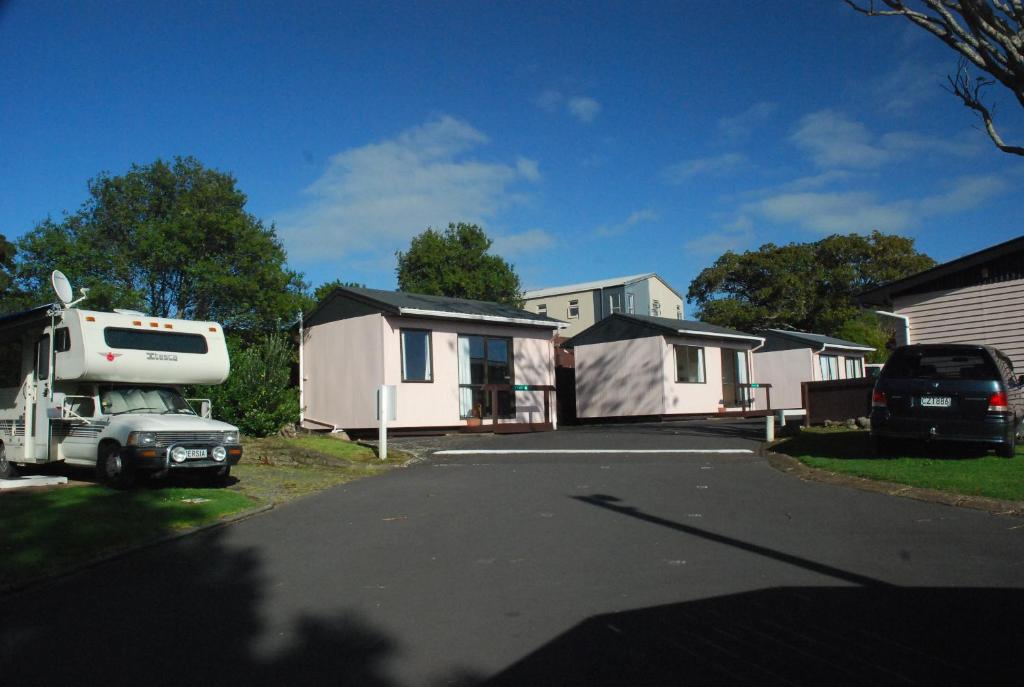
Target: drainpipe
302,371
906,323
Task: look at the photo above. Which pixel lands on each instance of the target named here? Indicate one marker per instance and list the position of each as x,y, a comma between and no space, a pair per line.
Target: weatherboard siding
991,314
620,378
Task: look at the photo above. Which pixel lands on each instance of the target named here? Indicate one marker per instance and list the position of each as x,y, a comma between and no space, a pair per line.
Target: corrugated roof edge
596,284
375,299
670,326
821,340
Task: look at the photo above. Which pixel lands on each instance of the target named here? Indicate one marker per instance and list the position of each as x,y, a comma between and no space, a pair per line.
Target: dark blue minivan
948,392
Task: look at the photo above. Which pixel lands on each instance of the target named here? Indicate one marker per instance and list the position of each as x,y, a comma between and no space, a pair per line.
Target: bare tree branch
988,34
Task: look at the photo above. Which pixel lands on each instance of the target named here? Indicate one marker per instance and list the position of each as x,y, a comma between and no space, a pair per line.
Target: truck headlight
142,439
231,437
219,453
179,454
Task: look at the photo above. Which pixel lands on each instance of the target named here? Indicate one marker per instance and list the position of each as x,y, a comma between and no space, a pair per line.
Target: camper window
10,363
62,340
43,358
170,342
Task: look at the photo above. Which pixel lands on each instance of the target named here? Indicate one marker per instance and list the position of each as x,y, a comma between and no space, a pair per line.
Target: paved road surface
558,569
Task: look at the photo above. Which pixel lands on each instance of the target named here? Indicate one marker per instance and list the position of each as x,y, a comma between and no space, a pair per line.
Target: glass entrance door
485,360
734,373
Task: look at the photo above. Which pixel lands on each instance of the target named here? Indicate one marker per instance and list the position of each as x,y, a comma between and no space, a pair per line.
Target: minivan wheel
881,446
1008,449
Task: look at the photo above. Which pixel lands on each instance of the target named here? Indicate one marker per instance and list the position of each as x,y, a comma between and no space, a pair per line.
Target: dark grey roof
1012,250
20,318
618,327
817,339
400,303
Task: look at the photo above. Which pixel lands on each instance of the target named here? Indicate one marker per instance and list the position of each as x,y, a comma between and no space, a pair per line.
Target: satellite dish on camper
62,287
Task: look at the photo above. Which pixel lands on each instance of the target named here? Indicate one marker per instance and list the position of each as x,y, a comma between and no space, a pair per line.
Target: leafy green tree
456,263
10,297
171,239
805,286
324,289
868,328
257,397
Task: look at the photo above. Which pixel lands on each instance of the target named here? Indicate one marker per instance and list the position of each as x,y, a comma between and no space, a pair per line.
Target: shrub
257,396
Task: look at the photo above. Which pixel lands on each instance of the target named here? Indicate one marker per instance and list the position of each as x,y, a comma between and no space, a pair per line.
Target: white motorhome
104,389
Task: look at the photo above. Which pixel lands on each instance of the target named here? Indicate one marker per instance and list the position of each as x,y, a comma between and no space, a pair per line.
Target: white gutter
414,312
906,323
840,347
715,335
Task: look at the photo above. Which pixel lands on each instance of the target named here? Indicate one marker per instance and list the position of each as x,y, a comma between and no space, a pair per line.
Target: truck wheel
218,477
8,470
112,470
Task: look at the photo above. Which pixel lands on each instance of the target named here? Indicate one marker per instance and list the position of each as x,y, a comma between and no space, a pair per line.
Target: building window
574,309
679,312
854,368
542,309
485,360
416,361
614,303
690,364
630,304
829,367
656,308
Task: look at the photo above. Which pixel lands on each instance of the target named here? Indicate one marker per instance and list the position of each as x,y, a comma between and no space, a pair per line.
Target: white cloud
859,211
529,241
583,108
833,140
733,236
742,124
635,218
715,165
550,100
374,198
907,87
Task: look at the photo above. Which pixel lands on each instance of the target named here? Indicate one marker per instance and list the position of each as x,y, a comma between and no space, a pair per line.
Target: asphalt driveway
551,568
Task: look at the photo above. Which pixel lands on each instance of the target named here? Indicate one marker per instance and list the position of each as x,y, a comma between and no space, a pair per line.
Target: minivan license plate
195,453
936,401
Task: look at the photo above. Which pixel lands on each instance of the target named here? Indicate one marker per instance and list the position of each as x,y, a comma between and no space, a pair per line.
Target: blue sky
589,139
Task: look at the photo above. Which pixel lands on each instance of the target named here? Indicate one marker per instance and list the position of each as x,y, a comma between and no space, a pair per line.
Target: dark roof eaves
882,295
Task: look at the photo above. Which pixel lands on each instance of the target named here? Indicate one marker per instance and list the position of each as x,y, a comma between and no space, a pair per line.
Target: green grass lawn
950,468
46,531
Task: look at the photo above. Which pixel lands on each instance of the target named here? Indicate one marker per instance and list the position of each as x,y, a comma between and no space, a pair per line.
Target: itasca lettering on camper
161,356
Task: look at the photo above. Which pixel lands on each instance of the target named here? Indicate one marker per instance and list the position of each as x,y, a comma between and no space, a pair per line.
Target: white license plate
936,401
195,453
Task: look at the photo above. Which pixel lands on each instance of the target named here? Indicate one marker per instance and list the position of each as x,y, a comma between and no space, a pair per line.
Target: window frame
655,307
141,336
702,377
858,368
574,304
510,347
822,358
430,354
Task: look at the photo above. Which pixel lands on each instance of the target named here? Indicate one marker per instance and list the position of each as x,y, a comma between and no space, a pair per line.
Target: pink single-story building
636,365
450,360
789,358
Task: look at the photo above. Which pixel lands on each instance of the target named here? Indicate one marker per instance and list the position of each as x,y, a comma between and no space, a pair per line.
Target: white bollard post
769,428
383,448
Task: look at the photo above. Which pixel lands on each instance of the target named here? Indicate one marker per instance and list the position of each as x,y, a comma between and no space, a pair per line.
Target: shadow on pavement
744,429
802,636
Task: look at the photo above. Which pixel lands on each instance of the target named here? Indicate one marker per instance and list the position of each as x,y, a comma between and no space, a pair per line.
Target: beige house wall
620,378
991,314
785,370
667,298
558,308
347,360
638,377
343,365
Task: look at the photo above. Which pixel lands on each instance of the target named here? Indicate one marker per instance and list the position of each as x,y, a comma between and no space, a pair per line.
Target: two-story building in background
582,305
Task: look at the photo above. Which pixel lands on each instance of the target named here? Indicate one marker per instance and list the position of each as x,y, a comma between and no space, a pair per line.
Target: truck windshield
115,400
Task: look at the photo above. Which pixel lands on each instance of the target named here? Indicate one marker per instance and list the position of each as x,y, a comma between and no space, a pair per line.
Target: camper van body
91,388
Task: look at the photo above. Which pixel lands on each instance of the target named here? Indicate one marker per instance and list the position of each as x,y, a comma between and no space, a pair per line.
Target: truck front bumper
142,459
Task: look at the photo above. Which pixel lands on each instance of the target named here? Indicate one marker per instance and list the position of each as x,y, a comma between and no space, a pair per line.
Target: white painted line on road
581,451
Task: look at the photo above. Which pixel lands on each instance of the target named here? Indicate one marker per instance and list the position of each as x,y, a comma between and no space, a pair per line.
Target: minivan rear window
940,364
142,340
